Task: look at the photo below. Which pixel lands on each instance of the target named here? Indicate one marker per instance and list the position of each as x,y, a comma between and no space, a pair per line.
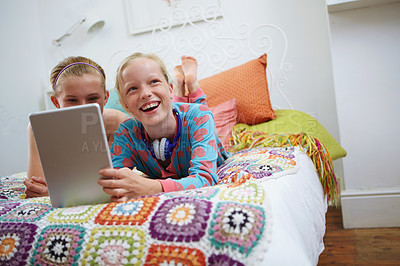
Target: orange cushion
248,84
225,118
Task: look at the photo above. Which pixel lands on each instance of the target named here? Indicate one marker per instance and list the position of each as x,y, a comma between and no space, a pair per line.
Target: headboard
216,44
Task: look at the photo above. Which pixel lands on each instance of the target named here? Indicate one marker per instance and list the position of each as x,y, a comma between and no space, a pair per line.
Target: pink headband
77,63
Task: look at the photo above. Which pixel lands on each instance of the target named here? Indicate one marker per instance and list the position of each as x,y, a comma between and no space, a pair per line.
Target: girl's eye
154,81
93,99
72,100
132,89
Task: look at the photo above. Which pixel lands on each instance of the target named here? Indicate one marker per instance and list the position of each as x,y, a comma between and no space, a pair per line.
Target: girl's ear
54,100
107,95
171,90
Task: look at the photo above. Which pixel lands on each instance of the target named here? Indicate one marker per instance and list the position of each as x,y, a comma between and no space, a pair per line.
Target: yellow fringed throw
316,150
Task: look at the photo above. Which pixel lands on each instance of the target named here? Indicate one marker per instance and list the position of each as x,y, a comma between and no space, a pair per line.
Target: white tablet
72,145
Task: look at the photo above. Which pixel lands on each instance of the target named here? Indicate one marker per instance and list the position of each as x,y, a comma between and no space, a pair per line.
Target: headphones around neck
162,149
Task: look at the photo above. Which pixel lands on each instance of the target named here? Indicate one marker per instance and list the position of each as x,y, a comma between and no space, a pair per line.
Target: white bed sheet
298,207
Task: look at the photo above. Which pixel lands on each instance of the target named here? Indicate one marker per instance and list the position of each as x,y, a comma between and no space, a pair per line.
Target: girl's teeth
150,106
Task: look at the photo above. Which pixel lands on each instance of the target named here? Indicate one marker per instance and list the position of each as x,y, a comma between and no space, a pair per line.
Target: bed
268,207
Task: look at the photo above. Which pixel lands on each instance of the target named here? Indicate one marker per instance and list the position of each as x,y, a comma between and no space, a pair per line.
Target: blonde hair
75,66
124,64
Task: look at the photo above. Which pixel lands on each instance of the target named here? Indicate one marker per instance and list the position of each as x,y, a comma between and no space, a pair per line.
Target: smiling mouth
150,107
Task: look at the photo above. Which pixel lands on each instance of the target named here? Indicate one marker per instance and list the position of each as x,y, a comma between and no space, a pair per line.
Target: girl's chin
149,120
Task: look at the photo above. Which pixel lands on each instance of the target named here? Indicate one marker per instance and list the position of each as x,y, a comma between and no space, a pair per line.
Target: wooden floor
377,246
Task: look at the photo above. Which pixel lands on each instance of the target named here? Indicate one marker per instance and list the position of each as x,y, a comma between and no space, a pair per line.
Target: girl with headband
174,144
75,81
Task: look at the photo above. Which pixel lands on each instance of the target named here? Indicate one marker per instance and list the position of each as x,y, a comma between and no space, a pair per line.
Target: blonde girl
174,144
75,81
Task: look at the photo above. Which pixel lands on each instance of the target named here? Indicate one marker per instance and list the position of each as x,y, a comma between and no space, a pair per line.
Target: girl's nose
146,92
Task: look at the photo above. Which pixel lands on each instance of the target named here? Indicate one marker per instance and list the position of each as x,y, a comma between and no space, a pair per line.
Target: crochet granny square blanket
228,224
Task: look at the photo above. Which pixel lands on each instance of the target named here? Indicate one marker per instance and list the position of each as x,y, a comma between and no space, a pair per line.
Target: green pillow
113,102
295,122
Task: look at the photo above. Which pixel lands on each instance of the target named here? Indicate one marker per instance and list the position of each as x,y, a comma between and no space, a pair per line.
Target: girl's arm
121,182
35,182
112,119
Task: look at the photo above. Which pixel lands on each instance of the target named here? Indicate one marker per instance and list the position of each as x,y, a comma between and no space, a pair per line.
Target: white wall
310,82
366,57
22,72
